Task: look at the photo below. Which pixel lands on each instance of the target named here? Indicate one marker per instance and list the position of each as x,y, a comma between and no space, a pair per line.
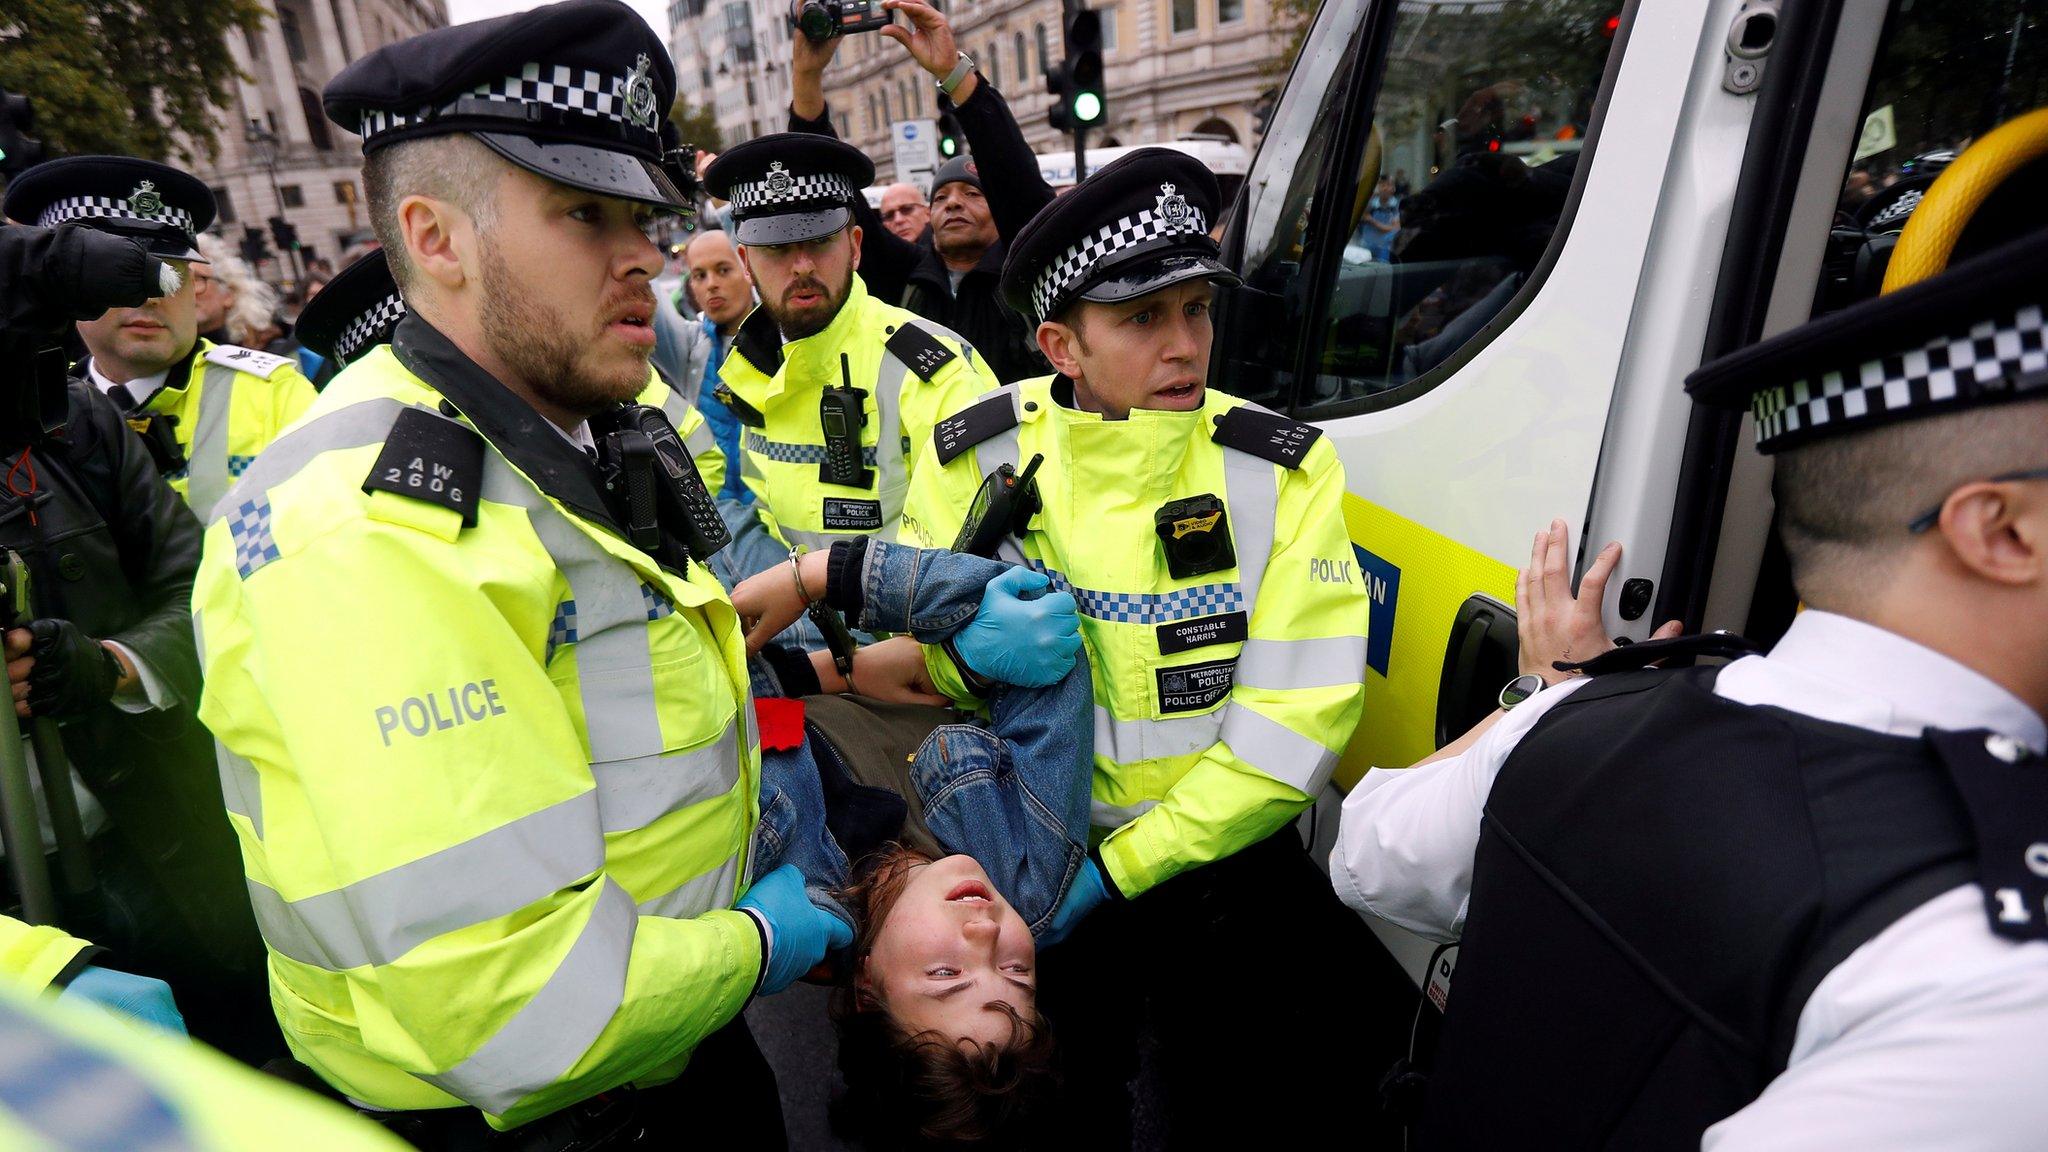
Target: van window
1945,74
1447,204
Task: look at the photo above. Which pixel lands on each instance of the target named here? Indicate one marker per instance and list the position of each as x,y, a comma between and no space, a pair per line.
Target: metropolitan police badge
144,201
779,181
1172,206
639,96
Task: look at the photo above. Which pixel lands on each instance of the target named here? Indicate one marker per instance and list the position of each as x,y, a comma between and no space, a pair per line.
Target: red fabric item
781,722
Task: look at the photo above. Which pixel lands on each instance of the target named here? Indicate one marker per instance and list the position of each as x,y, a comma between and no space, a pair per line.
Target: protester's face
567,302
146,340
211,298
804,285
947,950
904,212
1150,352
961,224
718,281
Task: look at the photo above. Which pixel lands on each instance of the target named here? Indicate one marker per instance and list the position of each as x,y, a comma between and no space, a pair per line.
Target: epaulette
742,411
432,458
985,419
919,351
247,360
760,341
1267,435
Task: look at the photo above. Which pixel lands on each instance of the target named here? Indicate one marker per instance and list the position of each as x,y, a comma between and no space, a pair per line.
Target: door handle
1479,657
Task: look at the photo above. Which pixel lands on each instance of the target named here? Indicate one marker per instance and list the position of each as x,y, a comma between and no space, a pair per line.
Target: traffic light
1076,82
254,250
284,232
951,141
18,151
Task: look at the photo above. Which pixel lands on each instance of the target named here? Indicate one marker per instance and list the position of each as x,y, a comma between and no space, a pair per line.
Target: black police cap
1973,336
354,313
789,186
576,92
162,206
1138,225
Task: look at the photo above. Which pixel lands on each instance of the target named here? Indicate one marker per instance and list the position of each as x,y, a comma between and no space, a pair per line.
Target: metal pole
1080,153
74,858
20,833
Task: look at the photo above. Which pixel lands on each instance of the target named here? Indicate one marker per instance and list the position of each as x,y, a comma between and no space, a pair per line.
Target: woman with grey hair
231,299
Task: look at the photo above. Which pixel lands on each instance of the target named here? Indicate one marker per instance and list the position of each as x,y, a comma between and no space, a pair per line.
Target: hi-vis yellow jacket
33,955
494,774
913,372
1222,700
227,404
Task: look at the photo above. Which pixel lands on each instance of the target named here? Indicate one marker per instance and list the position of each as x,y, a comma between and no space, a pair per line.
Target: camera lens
814,20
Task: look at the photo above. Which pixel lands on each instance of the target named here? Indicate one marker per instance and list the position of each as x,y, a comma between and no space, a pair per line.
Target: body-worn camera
1196,535
820,20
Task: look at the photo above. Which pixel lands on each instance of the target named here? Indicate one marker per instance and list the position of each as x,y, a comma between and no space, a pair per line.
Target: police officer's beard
799,323
544,348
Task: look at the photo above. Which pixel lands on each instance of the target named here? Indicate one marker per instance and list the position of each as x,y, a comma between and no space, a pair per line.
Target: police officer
204,409
1797,900
836,389
485,725
361,307
1225,622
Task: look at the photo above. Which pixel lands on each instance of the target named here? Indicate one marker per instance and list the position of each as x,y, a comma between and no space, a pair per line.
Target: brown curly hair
925,1090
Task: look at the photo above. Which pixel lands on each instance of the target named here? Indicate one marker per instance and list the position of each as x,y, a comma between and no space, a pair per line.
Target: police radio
644,455
842,412
1004,506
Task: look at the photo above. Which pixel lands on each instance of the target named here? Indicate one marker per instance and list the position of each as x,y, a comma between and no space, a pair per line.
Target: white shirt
1932,1035
142,387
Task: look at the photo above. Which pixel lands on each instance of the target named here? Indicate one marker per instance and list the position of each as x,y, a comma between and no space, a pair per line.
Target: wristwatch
959,73
1519,689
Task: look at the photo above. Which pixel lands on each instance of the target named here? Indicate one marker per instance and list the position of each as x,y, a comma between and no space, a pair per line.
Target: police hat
354,313
155,203
576,92
1973,336
789,187
1139,225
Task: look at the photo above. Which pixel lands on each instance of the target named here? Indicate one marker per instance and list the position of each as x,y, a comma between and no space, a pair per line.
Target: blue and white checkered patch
562,629
1148,607
250,529
239,464
783,453
657,603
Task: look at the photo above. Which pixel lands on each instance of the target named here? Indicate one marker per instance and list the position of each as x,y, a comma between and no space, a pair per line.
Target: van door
1443,238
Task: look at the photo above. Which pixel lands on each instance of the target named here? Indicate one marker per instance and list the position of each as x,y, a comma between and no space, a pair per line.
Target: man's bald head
718,281
904,211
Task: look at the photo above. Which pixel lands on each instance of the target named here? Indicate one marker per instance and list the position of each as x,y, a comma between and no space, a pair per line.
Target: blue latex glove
1021,634
1083,896
136,997
799,932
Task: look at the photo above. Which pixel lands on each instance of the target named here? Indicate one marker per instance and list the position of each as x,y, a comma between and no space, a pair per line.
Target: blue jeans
1012,791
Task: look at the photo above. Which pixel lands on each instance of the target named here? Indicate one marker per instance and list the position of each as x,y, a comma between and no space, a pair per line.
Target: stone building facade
278,155
732,57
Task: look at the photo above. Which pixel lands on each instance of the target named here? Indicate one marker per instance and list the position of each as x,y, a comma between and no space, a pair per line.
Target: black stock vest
1663,876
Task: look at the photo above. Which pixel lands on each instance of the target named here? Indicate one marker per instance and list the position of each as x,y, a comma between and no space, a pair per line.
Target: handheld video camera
820,20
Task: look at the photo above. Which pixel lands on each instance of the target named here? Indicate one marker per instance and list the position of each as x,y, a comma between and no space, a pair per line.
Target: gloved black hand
73,673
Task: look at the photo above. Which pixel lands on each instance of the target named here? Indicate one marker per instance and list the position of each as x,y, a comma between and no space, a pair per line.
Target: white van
1599,196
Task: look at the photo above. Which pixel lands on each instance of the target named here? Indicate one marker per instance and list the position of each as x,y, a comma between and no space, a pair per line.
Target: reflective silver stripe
240,787
1102,815
815,541
1277,750
1280,665
1129,741
206,461
355,426
561,1021
380,918
701,443
892,478
675,407
80,1097
1252,493
714,889
635,793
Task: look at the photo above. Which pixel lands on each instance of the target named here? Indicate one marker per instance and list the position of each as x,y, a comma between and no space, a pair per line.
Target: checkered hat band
550,85
792,190
1128,232
2004,354
108,207
372,327
1147,607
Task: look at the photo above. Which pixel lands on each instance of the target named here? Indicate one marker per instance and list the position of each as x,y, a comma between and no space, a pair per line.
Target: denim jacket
1010,791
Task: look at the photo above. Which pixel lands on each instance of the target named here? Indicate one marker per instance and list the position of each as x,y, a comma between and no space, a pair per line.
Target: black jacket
912,273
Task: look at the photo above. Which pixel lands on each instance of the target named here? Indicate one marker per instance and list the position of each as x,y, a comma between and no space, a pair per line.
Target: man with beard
204,409
835,387
952,274
484,711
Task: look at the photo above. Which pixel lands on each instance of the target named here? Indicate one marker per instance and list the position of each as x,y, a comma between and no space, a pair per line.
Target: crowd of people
470,738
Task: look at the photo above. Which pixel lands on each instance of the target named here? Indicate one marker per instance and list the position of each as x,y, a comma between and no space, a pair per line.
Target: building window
223,205
995,62
316,121
288,25
1229,11
292,195
344,191
1183,15
1023,62
1041,43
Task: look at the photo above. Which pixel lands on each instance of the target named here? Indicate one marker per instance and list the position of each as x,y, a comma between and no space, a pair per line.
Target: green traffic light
948,146
1087,107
